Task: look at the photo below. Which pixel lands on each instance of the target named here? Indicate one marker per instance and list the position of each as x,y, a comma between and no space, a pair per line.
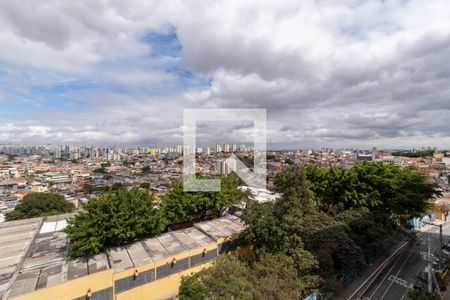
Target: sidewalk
436,222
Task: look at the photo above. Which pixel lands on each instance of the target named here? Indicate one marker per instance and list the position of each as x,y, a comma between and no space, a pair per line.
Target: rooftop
35,252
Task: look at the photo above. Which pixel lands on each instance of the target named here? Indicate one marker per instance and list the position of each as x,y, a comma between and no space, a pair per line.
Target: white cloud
338,72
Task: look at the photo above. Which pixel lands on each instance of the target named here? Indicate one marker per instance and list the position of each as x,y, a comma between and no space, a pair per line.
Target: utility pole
440,243
430,283
440,247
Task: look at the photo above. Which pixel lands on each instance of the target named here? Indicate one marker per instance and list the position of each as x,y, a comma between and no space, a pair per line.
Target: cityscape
217,150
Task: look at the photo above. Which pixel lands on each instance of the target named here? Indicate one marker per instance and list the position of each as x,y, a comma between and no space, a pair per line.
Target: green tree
180,205
40,204
422,153
145,169
387,189
417,294
271,277
294,226
145,185
114,219
101,170
370,231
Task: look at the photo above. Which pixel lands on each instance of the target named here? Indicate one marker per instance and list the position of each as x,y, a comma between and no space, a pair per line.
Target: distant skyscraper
223,168
180,149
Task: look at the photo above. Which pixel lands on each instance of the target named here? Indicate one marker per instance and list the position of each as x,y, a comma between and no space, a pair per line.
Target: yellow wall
158,289
39,189
161,288
73,288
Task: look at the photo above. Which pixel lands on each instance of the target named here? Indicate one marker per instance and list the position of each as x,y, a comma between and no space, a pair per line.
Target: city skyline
348,74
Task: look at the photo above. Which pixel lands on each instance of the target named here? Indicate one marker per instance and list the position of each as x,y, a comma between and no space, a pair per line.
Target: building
364,157
223,166
55,177
8,186
424,169
39,188
35,264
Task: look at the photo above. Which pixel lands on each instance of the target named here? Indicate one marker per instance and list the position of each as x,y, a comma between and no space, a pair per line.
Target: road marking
398,281
380,268
399,271
387,274
377,270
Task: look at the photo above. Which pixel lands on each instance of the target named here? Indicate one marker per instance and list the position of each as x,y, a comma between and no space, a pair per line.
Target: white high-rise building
180,149
223,168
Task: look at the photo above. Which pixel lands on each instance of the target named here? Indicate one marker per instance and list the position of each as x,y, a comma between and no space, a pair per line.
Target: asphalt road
393,280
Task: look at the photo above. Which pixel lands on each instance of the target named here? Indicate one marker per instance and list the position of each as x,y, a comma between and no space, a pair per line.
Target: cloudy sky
330,73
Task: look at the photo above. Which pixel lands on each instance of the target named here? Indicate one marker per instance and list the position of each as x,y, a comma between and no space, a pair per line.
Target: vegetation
39,205
113,219
181,206
300,230
385,189
327,223
127,163
89,188
416,294
145,170
145,185
101,170
272,277
324,228
422,153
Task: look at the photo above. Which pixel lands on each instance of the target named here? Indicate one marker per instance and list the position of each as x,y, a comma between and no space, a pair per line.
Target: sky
347,73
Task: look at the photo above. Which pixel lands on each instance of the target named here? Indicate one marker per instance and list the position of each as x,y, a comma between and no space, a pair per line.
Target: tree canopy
183,206
327,222
383,188
115,218
421,153
272,277
39,205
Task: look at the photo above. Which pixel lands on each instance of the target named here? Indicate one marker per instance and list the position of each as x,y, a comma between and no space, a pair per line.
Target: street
392,280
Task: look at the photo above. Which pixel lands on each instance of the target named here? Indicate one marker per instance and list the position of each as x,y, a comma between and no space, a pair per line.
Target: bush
272,277
39,205
114,219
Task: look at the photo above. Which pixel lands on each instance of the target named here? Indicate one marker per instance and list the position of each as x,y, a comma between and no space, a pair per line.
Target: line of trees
320,233
421,153
325,227
121,216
